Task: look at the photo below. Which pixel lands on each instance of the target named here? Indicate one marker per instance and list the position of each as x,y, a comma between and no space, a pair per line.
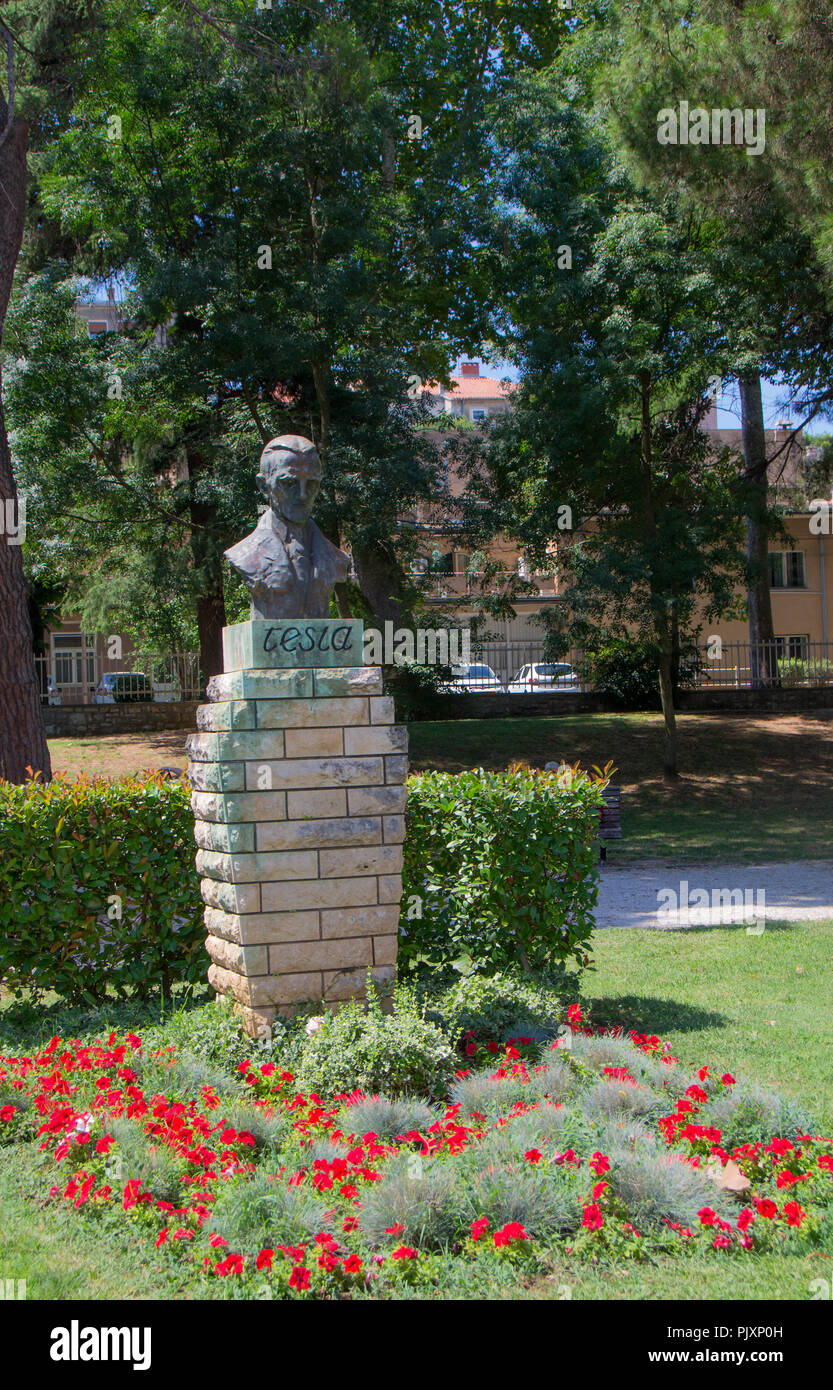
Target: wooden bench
610,821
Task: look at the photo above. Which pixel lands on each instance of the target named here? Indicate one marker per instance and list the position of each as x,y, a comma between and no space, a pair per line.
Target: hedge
98,888
99,891
499,868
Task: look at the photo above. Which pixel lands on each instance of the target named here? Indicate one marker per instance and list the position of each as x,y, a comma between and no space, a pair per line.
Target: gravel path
788,892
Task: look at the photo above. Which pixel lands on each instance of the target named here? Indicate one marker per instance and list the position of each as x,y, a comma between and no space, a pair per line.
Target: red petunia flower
592,1218
794,1213
533,1156
479,1227
707,1216
404,1252
265,1258
766,1208
511,1232
353,1264
299,1278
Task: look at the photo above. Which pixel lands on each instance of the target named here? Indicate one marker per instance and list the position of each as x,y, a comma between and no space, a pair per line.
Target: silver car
542,677
477,677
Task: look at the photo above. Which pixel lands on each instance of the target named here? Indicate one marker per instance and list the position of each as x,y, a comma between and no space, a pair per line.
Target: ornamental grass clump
657,1187
748,1114
608,1098
160,1171
486,1093
418,1202
545,1200
261,1211
554,1080
388,1119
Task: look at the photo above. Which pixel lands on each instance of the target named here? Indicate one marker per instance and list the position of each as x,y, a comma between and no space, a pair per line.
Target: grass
751,789
42,1244
757,1006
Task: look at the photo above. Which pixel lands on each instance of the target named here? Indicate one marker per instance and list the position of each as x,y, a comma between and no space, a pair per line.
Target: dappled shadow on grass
24,1023
647,1014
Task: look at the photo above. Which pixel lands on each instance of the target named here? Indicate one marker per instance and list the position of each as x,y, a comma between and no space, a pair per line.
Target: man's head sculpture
290,477
289,567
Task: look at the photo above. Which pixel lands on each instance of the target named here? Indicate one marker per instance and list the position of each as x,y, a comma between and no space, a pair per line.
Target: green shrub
498,1007
503,868
794,671
98,888
626,673
362,1048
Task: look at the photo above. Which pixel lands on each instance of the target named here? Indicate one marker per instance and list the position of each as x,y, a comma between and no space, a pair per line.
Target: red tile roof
472,388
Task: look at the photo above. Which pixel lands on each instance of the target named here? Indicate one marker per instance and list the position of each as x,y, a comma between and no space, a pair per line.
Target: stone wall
66,721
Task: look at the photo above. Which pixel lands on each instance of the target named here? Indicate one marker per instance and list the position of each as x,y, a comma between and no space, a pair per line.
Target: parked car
123,687
545,676
477,677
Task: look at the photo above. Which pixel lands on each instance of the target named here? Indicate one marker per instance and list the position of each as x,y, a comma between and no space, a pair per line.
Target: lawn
751,790
755,1006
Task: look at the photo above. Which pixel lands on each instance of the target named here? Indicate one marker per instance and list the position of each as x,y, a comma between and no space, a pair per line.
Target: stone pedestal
298,780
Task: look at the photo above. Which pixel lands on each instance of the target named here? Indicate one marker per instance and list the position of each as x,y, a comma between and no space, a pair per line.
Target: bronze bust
288,565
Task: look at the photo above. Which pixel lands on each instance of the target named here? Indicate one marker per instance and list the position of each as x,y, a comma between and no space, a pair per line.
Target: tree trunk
381,580
759,601
22,735
211,604
206,550
666,689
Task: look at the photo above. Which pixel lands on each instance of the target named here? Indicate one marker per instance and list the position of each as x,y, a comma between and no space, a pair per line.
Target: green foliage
625,673
361,1047
503,867
416,690
98,891
794,671
499,1006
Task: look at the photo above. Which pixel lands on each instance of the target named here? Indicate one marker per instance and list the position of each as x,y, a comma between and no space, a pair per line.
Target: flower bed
595,1144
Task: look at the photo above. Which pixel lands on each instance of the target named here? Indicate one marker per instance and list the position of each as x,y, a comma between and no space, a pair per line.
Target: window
479,414
95,328
786,569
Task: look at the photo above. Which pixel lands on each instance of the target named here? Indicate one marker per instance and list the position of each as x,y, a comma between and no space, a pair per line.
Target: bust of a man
288,565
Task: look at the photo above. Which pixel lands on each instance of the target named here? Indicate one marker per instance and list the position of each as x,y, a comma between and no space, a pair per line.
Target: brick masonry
298,789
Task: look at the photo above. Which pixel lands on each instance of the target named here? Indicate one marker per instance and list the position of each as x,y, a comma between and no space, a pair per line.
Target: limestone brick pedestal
298,788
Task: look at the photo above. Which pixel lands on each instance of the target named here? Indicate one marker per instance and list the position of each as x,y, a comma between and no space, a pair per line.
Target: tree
775,310
615,352
298,197
22,737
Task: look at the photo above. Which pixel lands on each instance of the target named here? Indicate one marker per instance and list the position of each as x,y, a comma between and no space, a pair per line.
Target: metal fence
784,662
514,666
138,678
